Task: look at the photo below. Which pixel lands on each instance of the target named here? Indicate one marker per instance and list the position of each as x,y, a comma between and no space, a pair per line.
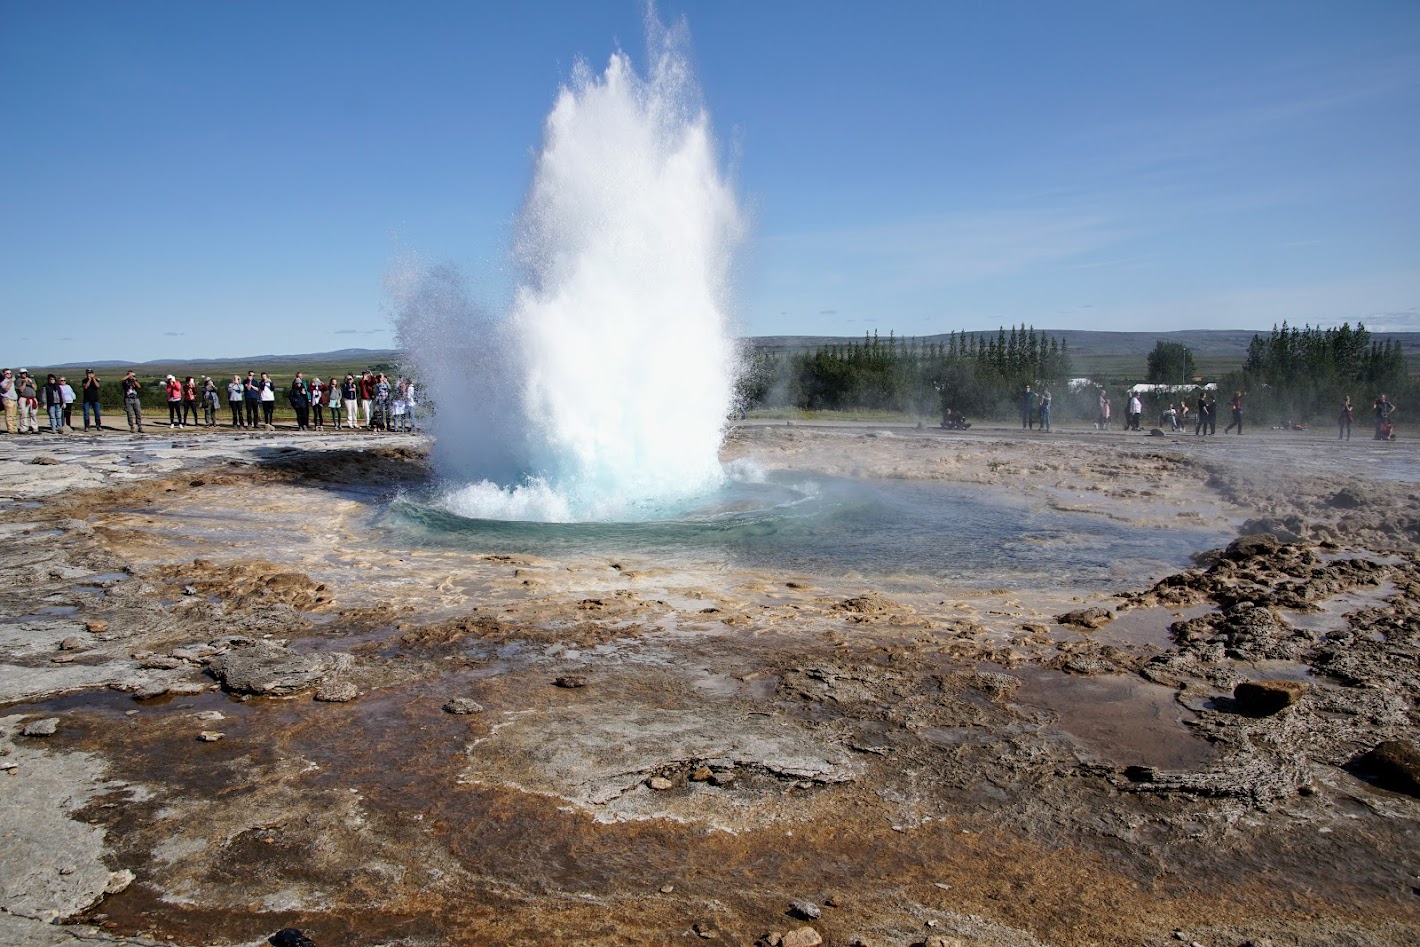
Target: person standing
334,400
268,399
91,400
67,394
1383,410
1045,400
10,396
173,388
29,404
211,402
367,395
132,402
1136,411
1236,422
1027,409
1348,414
398,407
317,402
350,392
251,394
190,397
383,398
234,399
53,399
413,405
300,398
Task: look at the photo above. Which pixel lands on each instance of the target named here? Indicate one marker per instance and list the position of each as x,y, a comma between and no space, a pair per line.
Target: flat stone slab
602,757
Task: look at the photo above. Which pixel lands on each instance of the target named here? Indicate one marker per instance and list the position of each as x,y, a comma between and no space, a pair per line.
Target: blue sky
215,179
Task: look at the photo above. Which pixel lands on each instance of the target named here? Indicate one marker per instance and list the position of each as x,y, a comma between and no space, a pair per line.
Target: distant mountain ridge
1087,342
1083,342
254,361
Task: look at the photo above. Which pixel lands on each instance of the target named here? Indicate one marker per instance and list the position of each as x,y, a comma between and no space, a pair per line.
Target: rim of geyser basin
759,499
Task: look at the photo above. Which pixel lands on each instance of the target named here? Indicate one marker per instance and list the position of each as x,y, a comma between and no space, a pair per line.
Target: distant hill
1214,344
258,362
1220,343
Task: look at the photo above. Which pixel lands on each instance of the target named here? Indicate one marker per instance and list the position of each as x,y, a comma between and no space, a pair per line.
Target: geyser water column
613,371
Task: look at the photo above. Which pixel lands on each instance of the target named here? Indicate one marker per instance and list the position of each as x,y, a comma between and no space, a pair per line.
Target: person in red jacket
174,390
367,394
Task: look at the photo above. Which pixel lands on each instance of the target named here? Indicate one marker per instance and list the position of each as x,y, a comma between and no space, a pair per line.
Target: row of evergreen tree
972,373
1293,375
1303,375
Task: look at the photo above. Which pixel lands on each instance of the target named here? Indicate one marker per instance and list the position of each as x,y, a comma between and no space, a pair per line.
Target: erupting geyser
602,393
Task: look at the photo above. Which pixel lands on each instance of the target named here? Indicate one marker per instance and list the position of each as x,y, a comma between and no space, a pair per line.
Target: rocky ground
233,702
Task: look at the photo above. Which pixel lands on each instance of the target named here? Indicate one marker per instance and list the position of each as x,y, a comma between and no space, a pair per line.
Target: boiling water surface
825,526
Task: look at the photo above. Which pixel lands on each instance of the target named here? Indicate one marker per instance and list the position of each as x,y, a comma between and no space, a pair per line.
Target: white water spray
603,392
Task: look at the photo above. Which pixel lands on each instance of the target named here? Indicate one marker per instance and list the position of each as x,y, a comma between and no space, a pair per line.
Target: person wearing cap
10,396
29,404
90,387
132,401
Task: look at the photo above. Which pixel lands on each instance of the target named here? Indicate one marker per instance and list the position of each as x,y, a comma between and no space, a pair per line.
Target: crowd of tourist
368,401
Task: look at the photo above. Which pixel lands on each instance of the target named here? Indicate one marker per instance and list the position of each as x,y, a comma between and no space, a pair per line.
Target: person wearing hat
10,395
29,404
132,401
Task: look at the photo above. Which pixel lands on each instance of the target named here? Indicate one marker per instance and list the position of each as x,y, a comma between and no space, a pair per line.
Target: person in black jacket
300,398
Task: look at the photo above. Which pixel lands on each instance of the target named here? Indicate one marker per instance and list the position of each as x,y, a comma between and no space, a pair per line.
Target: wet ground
255,666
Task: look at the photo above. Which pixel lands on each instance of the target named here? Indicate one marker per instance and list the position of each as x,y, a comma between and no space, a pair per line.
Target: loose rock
210,736
463,705
571,681
806,910
1393,765
803,937
41,728
1093,617
337,692
1264,698
659,783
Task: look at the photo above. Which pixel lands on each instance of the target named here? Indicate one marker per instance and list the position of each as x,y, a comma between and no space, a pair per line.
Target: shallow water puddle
1148,627
1121,719
1331,615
